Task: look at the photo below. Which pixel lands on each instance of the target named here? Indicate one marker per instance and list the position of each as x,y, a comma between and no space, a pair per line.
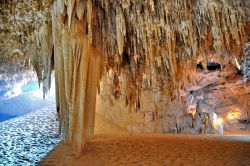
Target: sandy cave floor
120,148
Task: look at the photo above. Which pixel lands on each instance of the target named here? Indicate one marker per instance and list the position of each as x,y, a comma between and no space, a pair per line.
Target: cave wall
178,35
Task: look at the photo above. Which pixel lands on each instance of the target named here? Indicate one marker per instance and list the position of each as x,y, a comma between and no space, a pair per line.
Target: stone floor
28,139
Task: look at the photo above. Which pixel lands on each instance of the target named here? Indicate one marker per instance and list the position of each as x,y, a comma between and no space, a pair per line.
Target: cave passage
213,66
19,97
141,67
28,123
199,66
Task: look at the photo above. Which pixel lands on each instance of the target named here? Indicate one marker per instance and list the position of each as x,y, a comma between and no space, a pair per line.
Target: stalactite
41,54
70,11
120,30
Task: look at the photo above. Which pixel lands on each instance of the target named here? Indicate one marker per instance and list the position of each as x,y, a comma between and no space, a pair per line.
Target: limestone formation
245,67
140,56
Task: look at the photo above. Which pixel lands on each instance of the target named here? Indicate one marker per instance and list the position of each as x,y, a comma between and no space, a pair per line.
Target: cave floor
120,148
155,150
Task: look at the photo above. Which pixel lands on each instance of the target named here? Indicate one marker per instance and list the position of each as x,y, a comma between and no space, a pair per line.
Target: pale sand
120,148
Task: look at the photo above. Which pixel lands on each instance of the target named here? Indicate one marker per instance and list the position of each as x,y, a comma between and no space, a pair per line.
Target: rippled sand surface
153,150
28,139
112,146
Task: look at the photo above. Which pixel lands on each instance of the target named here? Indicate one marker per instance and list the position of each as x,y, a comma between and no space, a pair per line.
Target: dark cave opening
199,66
213,66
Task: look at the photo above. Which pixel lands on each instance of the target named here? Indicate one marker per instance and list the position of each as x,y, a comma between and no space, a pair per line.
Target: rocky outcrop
144,54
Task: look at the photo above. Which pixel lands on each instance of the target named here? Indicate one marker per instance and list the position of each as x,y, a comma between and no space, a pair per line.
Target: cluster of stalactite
41,54
18,19
151,43
18,47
